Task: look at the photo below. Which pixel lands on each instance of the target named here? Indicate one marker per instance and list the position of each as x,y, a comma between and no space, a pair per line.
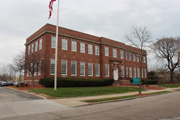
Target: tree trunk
33,80
20,79
171,76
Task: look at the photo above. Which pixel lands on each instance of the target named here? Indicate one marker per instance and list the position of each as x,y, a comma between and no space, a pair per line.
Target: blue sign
136,81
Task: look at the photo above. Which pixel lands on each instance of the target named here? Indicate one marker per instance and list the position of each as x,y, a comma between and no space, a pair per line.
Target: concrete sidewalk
75,102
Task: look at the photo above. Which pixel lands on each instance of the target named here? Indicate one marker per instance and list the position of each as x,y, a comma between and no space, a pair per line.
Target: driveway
14,103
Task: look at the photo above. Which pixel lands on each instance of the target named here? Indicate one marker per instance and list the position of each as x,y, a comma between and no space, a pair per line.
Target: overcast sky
108,18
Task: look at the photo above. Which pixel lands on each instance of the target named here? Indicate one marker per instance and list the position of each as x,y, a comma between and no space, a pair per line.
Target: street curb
124,99
28,93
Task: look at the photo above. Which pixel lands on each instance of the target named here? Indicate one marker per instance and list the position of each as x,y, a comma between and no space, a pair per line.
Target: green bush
75,82
149,81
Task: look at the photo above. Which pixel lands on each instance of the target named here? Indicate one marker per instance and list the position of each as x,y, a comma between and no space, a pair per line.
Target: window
74,46
145,73
82,69
32,49
90,69
27,73
122,54
134,72
40,44
52,69
106,51
144,59
114,53
126,71
53,42
73,68
64,44
29,50
142,75
63,67
137,58
122,71
97,69
126,56
39,68
96,50
138,73
90,51
107,70
129,56
130,72
35,69
82,47
134,58
36,46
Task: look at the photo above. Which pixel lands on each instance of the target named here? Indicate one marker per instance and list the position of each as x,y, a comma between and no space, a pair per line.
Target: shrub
75,82
149,81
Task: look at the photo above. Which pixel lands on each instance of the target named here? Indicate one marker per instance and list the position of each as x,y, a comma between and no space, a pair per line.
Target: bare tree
33,64
18,64
6,73
139,36
168,49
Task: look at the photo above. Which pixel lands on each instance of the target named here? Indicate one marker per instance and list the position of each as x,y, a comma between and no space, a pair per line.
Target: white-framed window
40,44
90,49
39,68
82,69
126,71
106,51
122,71
36,46
126,56
73,68
122,54
27,73
52,67
53,42
137,58
144,59
114,53
29,50
97,69
64,44
96,50
142,75
63,67
73,46
134,58
129,56
82,47
32,48
90,69
145,74
130,71
138,73
134,70
107,70
35,69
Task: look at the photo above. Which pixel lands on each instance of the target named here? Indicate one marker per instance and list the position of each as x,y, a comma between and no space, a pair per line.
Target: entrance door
115,73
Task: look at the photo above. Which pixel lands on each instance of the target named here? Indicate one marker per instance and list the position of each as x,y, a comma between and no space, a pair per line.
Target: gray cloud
111,19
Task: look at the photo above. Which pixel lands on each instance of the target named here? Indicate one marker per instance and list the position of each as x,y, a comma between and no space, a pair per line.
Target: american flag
51,7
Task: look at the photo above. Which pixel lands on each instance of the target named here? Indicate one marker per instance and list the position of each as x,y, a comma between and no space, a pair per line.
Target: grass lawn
83,91
171,85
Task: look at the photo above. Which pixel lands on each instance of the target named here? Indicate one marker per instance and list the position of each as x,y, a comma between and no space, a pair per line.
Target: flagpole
56,51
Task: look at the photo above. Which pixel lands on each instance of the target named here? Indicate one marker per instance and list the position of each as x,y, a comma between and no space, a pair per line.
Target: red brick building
83,55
